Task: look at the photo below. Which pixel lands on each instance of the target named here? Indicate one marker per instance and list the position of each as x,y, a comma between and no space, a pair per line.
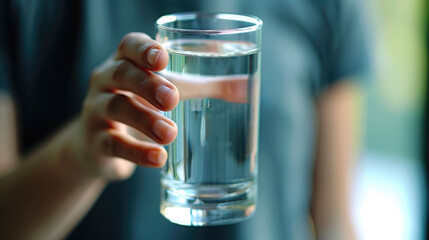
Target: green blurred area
395,96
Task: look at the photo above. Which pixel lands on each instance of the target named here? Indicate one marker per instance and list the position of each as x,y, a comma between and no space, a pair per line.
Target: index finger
143,51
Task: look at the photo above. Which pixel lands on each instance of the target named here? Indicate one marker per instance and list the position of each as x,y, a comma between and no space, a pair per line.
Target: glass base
203,205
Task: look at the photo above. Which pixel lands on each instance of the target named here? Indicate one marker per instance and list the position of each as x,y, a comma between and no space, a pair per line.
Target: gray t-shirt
51,48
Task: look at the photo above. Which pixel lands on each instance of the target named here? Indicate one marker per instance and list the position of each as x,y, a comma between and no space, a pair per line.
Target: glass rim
169,18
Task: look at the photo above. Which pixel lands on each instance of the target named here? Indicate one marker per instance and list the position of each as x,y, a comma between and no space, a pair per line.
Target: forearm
337,144
55,186
48,194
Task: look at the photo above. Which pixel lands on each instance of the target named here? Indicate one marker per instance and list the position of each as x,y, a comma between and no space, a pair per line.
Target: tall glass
210,174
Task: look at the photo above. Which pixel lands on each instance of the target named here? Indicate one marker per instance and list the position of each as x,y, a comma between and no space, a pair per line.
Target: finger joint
116,103
120,70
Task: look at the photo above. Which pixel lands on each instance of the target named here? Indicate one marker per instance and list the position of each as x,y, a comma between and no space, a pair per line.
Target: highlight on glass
210,175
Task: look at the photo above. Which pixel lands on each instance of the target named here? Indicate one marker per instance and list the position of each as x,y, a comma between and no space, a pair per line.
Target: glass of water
210,174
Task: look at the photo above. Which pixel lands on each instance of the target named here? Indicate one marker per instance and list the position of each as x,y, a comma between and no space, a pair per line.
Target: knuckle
138,35
145,35
134,155
125,41
142,120
91,109
125,71
95,74
89,114
116,103
141,78
120,70
130,39
110,145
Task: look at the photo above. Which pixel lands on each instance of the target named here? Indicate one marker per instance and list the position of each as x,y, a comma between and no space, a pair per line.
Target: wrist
71,157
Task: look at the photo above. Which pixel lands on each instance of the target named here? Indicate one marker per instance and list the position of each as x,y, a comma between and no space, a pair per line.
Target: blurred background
389,199
390,185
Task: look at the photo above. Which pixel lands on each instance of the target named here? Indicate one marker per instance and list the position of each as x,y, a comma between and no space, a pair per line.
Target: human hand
124,92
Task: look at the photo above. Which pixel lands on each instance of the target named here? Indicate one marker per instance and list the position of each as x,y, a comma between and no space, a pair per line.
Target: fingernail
153,55
161,128
162,94
156,157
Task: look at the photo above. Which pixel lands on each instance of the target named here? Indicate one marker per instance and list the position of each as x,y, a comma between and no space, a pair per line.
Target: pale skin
73,167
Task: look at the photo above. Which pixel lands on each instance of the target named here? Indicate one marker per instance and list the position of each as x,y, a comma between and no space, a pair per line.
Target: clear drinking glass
210,174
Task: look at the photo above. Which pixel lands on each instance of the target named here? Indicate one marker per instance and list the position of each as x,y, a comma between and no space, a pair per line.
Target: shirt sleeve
347,45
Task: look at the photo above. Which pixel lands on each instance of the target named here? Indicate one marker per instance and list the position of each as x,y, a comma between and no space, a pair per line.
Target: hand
124,92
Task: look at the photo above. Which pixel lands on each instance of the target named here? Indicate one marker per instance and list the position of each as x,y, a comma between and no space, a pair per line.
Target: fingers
124,75
116,144
143,51
128,110
136,57
124,90
231,88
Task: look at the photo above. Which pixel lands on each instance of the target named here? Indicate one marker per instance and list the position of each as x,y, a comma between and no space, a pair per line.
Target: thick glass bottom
202,205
